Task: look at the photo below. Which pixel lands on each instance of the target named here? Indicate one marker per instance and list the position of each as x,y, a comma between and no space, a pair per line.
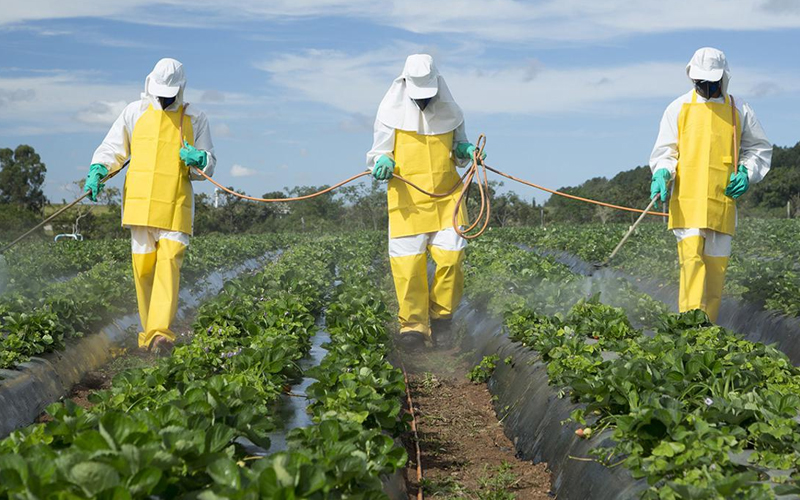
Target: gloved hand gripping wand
630,231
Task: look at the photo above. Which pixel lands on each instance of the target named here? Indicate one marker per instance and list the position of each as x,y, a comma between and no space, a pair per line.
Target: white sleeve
460,136
116,147
382,143
665,151
202,141
756,150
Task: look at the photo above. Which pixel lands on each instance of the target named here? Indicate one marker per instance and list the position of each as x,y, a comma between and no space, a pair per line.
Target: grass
447,488
497,484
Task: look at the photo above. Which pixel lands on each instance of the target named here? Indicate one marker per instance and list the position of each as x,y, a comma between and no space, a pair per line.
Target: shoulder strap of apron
735,136
186,105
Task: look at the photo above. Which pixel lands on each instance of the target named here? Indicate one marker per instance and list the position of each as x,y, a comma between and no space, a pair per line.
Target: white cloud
240,171
355,84
221,130
212,96
504,20
16,95
357,123
69,100
101,112
80,101
766,88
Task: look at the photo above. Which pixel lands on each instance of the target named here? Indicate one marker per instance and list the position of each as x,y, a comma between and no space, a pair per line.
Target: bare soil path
465,453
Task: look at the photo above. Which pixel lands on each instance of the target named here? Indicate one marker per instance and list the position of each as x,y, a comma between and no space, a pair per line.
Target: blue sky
564,90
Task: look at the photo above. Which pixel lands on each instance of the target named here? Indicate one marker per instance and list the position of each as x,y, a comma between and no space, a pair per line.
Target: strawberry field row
32,326
764,268
692,408
187,427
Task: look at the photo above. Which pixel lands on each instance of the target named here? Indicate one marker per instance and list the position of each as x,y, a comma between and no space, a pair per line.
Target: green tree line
631,188
363,205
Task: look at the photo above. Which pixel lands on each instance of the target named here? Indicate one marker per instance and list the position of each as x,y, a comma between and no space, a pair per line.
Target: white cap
166,79
422,78
707,64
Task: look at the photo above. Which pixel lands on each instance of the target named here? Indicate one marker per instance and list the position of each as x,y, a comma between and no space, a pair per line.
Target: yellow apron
426,161
158,192
705,164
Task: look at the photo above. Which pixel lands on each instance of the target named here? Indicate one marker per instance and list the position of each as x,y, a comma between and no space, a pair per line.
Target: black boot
442,332
412,341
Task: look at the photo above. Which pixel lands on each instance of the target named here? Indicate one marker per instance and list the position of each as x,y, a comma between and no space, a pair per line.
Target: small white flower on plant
709,401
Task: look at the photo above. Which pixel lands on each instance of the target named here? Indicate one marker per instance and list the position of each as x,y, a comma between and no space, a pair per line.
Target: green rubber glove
658,186
193,157
739,184
97,172
464,151
384,168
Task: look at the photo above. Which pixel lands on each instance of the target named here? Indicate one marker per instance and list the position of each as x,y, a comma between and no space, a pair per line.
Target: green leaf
218,437
94,477
91,441
668,449
143,483
115,427
13,472
225,472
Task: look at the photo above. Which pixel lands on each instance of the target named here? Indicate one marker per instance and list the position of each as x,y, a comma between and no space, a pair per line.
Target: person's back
165,138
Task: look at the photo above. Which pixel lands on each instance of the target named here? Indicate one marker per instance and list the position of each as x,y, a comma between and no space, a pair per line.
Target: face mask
422,103
166,101
707,90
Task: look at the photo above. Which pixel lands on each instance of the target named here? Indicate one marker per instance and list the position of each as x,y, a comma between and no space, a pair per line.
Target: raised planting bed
29,388
533,413
737,314
34,325
175,428
188,426
693,409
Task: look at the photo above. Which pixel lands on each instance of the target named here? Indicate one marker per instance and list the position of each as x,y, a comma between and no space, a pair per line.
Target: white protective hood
166,80
709,64
398,111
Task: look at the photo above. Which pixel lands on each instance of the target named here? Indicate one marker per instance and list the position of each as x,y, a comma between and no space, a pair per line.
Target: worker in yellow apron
163,137
702,134
420,135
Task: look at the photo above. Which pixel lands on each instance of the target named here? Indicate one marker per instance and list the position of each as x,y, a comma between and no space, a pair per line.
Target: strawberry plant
33,325
683,406
186,427
764,268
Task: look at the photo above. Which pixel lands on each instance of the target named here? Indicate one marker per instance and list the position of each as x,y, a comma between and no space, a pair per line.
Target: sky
564,90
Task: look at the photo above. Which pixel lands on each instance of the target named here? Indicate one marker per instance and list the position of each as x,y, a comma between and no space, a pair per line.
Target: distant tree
603,213
21,178
366,205
781,184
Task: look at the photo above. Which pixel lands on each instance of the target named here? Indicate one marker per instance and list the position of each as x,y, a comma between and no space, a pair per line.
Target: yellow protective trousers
157,259
418,300
703,256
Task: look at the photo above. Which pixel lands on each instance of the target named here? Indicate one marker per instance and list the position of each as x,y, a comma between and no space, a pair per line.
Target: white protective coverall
695,144
422,143
158,201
